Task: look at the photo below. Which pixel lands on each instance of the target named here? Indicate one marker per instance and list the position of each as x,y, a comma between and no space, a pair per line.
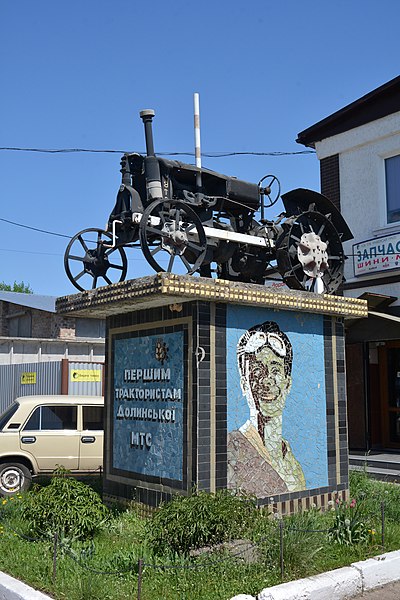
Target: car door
92,434
51,436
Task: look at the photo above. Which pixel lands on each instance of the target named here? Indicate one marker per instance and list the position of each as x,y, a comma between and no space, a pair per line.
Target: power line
206,154
36,229
348,254
13,251
40,231
29,252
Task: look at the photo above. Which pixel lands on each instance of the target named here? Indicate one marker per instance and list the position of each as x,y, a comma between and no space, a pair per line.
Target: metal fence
61,548
80,378
85,379
28,379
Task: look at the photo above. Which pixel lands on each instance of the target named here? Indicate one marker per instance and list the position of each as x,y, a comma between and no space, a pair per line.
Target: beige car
40,433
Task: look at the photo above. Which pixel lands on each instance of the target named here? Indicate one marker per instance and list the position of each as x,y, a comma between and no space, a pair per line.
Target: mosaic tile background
164,458
314,417
304,416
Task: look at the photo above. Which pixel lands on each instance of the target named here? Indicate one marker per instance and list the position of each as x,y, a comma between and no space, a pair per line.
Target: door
356,401
91,438
390,393
51,436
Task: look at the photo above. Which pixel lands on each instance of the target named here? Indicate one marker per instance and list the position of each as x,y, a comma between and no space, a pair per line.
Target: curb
340,584
13,589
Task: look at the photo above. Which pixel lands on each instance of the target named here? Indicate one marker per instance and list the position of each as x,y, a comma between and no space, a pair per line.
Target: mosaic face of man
268,382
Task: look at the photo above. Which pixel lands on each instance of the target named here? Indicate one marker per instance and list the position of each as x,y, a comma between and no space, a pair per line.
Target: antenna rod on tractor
151,166
197,147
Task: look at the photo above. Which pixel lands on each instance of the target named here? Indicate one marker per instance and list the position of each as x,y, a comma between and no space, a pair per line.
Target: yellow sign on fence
86,375
28,377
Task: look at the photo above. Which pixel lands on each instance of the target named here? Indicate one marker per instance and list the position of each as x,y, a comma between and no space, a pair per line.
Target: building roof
47,303
379,103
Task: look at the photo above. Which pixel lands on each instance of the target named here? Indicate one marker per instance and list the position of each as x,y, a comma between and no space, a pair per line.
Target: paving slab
387,592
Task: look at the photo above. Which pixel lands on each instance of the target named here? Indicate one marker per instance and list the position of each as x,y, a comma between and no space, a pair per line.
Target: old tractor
192,220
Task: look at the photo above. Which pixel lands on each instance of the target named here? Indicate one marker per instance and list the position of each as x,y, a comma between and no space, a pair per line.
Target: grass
82,566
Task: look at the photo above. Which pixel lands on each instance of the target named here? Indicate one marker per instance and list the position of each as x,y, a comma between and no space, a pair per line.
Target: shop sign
86,375
28,377
377,255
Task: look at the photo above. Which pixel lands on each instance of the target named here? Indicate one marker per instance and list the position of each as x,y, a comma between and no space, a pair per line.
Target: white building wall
31,350
362,152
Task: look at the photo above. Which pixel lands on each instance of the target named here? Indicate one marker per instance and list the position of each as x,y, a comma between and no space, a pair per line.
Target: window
20,326
93,417
6,416
52,418
90,328
392,174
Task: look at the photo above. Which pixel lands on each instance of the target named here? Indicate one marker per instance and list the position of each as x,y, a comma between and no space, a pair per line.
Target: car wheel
14,478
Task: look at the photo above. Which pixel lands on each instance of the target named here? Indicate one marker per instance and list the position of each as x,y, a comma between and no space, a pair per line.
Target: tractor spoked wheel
172,237
90,261
310,254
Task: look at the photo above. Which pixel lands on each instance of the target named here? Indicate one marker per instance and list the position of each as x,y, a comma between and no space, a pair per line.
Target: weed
303,540
349,526
372,493
126,536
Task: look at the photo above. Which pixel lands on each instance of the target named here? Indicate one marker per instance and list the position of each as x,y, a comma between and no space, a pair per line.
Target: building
42,352
359,152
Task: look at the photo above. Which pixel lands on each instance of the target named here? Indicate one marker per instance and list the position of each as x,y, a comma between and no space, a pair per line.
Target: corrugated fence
85,379
47,378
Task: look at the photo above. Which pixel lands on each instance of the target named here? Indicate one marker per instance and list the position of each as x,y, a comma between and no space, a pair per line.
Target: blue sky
76,75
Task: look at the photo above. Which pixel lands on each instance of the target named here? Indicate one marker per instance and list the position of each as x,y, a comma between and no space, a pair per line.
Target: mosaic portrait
276,402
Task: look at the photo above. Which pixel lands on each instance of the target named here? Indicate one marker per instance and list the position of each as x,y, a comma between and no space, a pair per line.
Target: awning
378,327
380,301
384,316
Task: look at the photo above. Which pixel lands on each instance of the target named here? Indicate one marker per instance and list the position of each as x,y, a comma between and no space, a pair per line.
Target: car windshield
7,414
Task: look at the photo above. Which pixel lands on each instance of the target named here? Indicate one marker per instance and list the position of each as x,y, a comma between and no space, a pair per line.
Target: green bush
66,506
201,519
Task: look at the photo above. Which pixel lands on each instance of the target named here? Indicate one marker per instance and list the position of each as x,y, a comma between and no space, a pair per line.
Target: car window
52,418
7,414
93,417
33,423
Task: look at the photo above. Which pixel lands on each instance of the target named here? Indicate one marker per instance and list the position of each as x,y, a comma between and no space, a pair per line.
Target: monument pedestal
213,384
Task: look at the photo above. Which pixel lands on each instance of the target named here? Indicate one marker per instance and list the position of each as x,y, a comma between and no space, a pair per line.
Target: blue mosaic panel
277,432
148,405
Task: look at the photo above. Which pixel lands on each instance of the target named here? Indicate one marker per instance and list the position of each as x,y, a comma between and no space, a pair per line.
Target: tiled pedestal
215,384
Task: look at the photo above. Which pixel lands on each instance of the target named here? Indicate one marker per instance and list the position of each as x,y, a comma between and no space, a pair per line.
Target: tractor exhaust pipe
151,166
